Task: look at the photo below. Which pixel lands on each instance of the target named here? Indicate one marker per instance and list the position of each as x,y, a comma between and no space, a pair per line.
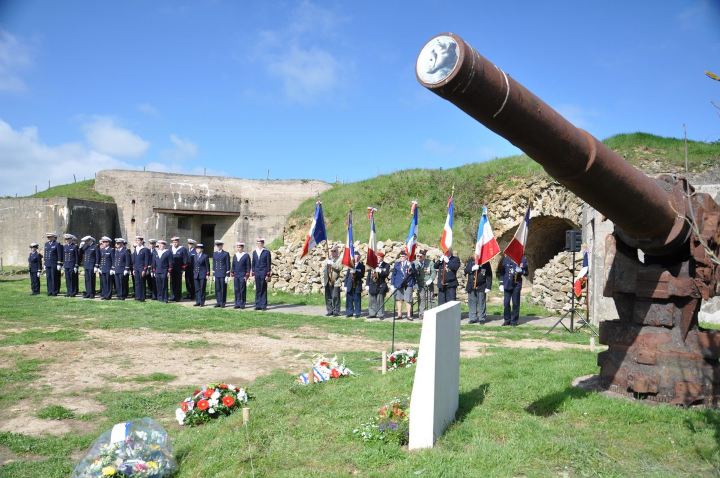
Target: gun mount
656,349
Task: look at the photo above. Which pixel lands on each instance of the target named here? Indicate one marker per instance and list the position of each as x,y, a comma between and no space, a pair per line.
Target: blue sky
325,90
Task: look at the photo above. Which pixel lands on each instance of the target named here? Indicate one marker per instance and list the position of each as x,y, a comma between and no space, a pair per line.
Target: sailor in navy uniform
180,258
141,261
76,275
240,271
89,258
71,262
149,278
106,254
221,273
200,273
261,270
447,267
353,287
35,268
122,263
189,281
53,263
510,275
479,283
162,266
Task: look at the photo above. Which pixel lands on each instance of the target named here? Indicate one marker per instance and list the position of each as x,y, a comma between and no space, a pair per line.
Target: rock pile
552,285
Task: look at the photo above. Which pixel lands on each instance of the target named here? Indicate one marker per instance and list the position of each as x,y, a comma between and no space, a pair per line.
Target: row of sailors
150,269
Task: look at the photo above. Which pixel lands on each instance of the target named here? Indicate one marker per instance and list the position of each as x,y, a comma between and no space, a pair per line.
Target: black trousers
139,281
176,284
332,299
34,283
121,282
161,286
220,291
70,282
511,314
106,285
199,288
89,283
150,285
189,284
240,291
260,292
446,295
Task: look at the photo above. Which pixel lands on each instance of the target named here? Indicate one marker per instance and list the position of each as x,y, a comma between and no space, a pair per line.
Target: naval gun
656,349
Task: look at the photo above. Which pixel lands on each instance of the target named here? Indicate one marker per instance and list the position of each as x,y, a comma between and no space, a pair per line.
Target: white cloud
305,73
106,137
148,109
182,149
27,162
15,57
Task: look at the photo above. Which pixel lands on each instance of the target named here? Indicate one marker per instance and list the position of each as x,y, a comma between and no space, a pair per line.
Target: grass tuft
55,412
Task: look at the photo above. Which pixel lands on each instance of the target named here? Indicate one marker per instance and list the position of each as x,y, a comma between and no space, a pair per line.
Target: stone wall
26,220
162,205
552,286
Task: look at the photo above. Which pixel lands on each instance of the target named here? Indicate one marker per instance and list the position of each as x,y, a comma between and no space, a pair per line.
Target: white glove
378,270
76,269
96,270
227,279
125,273
38,274
59,267
367,288
428,282
487,291
518,269
502,289
475,267
445,259
345,289
152,274
212,278
112,272
82,243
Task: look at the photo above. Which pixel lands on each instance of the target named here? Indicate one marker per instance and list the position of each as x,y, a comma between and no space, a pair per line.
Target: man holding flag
331,282
411,240
448,264
511,270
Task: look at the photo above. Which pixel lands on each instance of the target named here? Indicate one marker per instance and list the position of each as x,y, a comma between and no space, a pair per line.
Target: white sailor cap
240,243
192,241
34,244
162,241
260,239
152,241
67,236
72,236
49,234
218,241
174,238
200,244
105,239
140,237
88,238
120,239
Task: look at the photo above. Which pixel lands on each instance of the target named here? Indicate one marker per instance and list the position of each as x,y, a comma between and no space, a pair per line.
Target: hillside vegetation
78,190
475,185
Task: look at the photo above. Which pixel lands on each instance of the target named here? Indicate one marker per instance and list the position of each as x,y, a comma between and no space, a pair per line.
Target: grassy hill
78,190
474,185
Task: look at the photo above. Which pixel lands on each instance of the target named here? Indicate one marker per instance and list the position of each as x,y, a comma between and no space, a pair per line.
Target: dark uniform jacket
378,285
200,265
122,261
241,267
354,281
403,276
162,264
181,258
53,254
221,264
141,259
446,275
35,262
89,256
484,276
105,259
261,264
509,274
71,256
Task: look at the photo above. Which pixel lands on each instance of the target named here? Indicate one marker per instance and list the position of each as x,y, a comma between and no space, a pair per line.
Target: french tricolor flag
349,252
317,232
582,276
372,260
486,246
516,249
411,240
446,239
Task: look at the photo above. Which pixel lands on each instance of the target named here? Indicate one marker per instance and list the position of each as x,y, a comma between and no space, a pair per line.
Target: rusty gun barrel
649,213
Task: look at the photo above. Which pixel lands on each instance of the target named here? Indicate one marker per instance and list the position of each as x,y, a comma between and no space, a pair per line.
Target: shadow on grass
470,400
709,418
551,404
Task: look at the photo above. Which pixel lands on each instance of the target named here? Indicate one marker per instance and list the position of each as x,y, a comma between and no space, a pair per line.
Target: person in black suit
200,267
261,270
240,271
479,283
35,268
447,267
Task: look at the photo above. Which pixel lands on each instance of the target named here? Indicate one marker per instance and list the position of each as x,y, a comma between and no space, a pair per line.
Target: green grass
475,184
55,412
33,336
78,190
155,377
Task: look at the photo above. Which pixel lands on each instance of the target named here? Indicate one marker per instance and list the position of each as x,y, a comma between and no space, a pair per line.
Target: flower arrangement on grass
401,359
212,401
391,425
325,369
137,449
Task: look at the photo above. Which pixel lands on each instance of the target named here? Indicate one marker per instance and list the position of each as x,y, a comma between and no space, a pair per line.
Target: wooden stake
384,362
246,415
592,344
311,377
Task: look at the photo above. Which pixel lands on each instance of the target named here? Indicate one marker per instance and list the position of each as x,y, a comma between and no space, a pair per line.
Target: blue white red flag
372,260
349,252
317,232
446,239
582,276
516,249
486,246
411,240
